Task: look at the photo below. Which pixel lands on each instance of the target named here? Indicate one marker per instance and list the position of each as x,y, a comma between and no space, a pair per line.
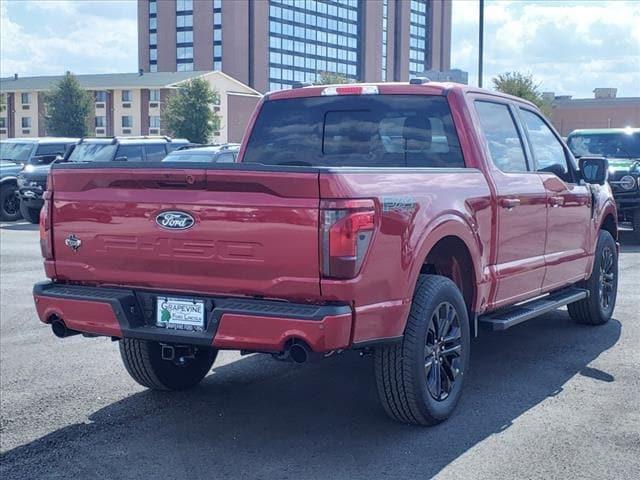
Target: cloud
83,37
571,47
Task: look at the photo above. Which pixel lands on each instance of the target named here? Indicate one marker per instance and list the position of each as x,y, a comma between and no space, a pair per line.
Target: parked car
325,237
622,148
9,203
29,154
210,153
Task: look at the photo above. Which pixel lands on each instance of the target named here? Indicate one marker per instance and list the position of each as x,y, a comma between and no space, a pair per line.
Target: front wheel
9,203
143,360
30,214
420,380
602,285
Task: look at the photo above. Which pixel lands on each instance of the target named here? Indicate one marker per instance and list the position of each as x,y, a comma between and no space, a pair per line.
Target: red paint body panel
84,316
257,232
269,334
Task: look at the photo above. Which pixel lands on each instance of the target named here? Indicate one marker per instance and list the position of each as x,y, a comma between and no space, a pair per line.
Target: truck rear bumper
231,323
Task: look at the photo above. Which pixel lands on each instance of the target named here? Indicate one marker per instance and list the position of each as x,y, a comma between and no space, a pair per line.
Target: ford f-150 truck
396,219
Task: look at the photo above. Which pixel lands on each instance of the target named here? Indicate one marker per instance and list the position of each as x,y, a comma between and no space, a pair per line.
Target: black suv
621,146
24,153
33,183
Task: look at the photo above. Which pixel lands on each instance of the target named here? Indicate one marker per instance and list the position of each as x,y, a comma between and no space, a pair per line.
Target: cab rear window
356,130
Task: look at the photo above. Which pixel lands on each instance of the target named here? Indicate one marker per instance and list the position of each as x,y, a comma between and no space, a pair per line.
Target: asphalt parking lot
546,399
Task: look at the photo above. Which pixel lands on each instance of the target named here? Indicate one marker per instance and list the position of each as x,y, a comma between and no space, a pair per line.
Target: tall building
271,44
125,104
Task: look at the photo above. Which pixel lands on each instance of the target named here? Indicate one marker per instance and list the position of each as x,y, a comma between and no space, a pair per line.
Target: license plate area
179,313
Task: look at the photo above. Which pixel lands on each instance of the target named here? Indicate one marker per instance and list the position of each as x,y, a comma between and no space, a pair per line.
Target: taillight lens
347,228
46,245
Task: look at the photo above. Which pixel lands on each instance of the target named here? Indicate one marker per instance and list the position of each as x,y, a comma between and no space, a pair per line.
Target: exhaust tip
60,330
298,353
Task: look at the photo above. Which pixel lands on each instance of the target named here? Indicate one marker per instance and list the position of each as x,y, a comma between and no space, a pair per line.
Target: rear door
569,212
252,231
521,210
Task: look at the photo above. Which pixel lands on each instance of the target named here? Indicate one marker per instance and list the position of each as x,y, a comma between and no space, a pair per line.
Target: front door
521,208
569,212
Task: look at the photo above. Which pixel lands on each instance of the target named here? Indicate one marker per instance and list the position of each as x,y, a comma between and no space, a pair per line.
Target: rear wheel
143,360
30,214
602,285
420,380
9,203
636,224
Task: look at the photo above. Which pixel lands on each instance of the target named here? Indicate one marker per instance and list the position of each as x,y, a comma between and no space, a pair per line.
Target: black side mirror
594,169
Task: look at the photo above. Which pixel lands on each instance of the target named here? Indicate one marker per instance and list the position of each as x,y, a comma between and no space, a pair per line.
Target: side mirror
120,159
594,169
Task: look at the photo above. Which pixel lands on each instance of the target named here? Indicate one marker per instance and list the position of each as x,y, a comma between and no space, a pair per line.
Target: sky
569,47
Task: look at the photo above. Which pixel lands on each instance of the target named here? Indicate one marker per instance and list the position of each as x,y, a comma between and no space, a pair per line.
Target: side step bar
506,318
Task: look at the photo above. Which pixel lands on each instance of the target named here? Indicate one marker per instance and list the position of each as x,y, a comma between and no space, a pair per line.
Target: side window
225,158
55,149
155,153
132,152
547,149
501,134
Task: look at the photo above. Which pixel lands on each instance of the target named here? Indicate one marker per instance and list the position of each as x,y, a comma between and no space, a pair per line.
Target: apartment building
124,103
271,44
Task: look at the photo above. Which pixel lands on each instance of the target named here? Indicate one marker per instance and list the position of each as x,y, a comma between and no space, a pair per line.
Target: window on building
154,95
184,21
418,21
153,7
184,5
25,98
25,122
185,67
126,95
153,54
154,121
101,122
184,53
153,39
127,121
3,122
153,23
153,67
101,96
184,37
501,135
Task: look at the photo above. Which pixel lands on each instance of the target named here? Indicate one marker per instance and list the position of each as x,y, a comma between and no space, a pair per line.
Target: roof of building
595,102
107,81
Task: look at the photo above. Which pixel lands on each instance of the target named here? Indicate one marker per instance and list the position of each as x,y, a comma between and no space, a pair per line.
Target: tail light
346,230
46,242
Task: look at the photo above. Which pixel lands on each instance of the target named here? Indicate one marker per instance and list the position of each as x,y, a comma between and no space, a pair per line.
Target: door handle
509,203
556,201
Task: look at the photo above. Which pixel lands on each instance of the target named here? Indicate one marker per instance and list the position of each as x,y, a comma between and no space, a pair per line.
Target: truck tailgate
254,232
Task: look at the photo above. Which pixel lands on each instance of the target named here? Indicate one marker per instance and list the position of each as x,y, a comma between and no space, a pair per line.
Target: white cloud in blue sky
571,47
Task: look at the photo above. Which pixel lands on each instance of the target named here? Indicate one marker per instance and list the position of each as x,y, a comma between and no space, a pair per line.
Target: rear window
363,130
619,145
51,149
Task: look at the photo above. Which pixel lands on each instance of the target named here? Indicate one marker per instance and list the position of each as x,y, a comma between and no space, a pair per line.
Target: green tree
68,108
329,78
521,85
189,113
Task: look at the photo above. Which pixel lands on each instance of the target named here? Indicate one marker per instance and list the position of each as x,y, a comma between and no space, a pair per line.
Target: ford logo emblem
175,220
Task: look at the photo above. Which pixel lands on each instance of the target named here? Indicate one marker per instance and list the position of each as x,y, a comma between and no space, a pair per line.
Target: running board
506,318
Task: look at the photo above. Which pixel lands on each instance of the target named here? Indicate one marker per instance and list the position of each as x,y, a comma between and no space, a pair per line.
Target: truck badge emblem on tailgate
73,242
175,220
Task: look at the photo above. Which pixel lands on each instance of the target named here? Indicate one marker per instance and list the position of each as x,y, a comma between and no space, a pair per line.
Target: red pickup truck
392,218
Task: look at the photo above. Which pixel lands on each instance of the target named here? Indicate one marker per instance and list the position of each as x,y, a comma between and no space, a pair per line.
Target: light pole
480,42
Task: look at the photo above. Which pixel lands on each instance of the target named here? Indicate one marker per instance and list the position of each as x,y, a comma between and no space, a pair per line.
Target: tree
521,85
189,111
68,108
329,78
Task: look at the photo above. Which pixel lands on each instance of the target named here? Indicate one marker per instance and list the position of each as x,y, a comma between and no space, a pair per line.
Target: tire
635,219
143,361
30,214
406,384
9,203
594,310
